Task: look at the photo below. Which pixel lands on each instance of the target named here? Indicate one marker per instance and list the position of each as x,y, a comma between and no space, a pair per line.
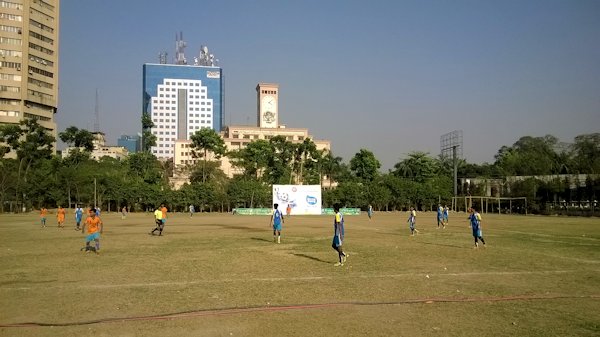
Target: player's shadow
311,257
261,239
441,244
243,228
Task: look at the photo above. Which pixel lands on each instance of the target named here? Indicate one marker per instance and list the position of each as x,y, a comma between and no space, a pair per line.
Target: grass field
222,275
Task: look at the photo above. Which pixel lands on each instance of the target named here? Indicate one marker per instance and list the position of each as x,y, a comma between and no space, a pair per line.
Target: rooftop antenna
179,47
162,57
206,58
97,114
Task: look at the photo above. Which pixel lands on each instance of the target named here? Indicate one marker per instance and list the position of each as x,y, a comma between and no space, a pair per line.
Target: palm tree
331,166
206,140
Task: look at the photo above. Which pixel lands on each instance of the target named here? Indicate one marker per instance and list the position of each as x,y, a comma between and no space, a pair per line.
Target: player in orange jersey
60,216
94,229
43,213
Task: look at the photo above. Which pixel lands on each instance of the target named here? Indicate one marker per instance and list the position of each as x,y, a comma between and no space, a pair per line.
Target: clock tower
267,95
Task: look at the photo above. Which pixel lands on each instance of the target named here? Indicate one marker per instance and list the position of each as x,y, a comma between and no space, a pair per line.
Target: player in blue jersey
338,235
370,212
445,215
276,221
440,217
78,217
475,219
412,221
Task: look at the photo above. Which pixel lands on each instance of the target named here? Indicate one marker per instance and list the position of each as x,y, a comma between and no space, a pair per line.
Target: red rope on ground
232,311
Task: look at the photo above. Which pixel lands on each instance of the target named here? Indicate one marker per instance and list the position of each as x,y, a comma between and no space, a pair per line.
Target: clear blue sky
388,76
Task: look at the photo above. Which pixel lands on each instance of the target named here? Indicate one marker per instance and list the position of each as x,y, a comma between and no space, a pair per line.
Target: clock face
268,104
268,109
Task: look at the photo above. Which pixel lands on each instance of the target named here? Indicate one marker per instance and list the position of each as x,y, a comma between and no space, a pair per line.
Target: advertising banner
301,199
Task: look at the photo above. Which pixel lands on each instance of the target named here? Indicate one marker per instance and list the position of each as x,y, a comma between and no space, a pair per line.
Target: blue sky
387,76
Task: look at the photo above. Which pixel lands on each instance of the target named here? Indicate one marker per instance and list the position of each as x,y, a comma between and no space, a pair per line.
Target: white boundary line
288,279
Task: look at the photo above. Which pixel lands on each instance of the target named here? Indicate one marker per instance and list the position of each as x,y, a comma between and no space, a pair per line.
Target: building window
40,48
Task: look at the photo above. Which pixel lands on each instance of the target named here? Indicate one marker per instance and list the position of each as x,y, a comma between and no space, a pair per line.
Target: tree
304,150
586,153
529,156
207,140
332,167
31,143
364,165
418,167
148,139
78,138
280,162
145,166
254,158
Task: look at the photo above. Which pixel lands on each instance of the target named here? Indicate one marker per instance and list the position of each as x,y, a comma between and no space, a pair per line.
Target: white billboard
302,199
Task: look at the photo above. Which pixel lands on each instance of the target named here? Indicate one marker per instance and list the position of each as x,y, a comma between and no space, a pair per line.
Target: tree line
33,176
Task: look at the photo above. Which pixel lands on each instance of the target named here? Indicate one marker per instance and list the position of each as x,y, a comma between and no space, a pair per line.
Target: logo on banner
311,200
213,74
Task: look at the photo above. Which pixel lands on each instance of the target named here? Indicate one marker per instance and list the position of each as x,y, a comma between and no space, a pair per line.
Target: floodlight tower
452,143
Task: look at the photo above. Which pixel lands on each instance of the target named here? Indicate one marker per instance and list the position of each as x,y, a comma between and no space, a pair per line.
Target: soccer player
164,211
276,221
192,210
370,212
60,216
445,215
43,213
412,221
78,216
94,229
288,210
440,217
158,217
124,212
338,235
475,219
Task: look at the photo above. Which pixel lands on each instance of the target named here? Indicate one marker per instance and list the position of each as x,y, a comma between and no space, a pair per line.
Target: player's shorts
277,227
445,217
164,221
93,236
78,220
411,225
476,232
336,241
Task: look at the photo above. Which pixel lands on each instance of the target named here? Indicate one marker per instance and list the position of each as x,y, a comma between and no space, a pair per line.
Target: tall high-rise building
181,99
29,33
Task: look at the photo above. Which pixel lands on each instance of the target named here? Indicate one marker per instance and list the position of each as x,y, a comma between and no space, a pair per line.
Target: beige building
29,32
237,137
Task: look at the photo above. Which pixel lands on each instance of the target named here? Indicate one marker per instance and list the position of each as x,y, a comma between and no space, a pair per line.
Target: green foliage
364,165
207,140
243,193
530,156
586,153
36,178
78,138
418,167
